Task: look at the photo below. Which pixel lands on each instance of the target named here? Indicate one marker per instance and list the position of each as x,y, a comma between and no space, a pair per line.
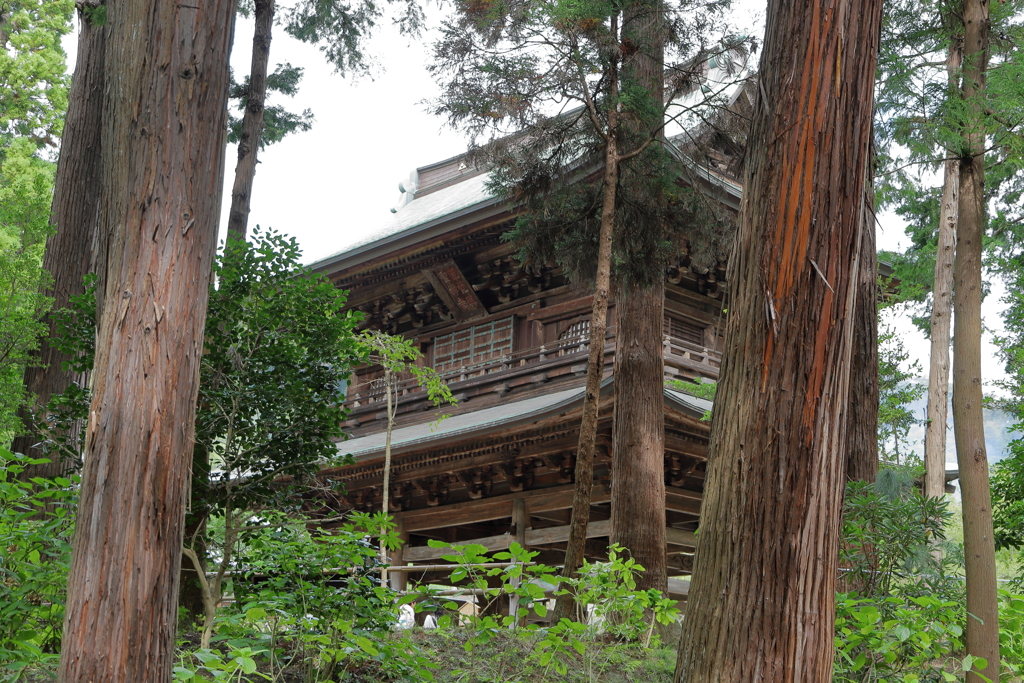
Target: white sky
332,186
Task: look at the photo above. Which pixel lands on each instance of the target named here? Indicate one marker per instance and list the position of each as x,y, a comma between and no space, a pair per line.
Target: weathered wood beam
552,498
456,292
535,537
540,501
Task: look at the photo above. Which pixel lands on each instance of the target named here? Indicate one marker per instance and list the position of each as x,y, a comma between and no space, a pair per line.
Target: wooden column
520,523
399,580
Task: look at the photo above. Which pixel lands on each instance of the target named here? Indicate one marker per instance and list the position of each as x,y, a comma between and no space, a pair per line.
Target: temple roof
498,418
437,195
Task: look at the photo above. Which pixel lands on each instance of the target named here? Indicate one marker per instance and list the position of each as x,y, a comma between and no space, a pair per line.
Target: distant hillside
997,431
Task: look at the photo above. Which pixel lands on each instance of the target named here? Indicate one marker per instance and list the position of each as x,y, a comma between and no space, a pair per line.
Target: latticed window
574,338
474,346
684,331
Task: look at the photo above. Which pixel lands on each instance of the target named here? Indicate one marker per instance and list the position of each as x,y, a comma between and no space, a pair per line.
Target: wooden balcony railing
560,358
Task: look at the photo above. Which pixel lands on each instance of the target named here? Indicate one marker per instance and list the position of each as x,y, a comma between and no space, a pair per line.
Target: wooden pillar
520,523
399,580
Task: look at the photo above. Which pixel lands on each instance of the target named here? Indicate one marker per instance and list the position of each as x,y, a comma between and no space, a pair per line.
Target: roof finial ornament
408,189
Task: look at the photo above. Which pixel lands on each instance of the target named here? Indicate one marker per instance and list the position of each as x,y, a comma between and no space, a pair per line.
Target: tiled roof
500,417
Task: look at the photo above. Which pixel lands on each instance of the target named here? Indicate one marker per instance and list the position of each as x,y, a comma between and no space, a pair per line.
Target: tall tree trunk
165,106
968,421
68,252
862,437
942,309
252,121
638,441
762,598
585,448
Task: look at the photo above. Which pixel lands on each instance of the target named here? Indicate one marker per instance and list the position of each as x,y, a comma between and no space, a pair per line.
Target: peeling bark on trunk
942,310
165,106
968,421
762,598
68,252
941,322
252,120
862,442
638,441
584,471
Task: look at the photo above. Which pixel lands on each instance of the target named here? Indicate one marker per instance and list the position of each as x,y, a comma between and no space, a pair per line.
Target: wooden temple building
512,343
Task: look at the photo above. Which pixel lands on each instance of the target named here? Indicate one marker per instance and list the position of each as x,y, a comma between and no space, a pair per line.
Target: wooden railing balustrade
682,359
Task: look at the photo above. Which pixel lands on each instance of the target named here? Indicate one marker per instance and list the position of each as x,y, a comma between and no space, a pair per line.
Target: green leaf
255,613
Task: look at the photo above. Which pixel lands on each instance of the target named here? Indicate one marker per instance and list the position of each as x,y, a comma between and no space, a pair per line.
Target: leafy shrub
902,616
36,521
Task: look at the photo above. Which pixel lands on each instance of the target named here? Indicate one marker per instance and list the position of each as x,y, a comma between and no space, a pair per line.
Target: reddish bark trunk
762,598
164,125
968,420
68,251
862,448
252,120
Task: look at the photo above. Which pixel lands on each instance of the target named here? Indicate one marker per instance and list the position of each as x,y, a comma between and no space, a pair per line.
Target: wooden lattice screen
473,347
685,331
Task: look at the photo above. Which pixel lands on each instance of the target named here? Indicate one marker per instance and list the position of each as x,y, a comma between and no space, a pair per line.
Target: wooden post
399,580
520,522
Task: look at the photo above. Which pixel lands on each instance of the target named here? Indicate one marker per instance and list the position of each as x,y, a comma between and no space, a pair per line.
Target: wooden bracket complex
456,292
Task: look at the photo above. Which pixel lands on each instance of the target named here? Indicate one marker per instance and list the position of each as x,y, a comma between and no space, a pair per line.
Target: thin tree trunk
68,252
762,598
968,421
390,382
252,120
638,442
942,309
165,108
862,440
584,472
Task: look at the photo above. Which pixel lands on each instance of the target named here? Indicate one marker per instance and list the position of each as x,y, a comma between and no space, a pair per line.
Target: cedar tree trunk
968,421
164,120
942,309
584,471
252,121
762,598
862,436
68,252
638,441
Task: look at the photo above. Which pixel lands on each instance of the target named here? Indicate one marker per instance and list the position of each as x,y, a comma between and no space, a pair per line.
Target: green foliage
915,644
278,350
896,391
702,388
1008,474
308,605
399,358
340,29
33,79
36,522
605,592
26,191
277,121
889,529
511,76
901,617
921,120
